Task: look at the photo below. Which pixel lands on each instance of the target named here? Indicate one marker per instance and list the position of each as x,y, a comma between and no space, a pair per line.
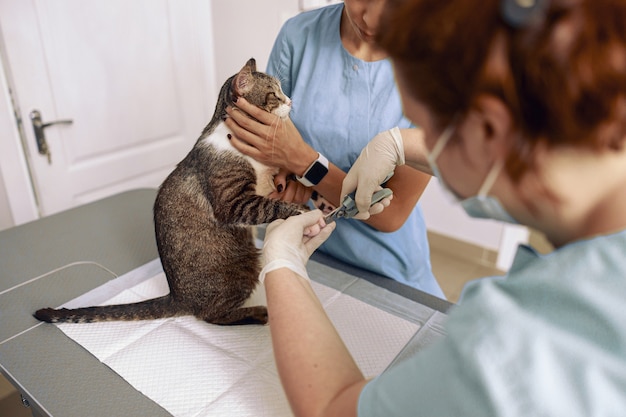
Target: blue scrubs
339,104
548,340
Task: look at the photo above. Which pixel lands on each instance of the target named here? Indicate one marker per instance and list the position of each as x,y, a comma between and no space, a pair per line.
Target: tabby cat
203,216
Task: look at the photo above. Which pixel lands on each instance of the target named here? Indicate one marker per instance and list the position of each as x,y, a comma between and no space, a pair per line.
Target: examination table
58,258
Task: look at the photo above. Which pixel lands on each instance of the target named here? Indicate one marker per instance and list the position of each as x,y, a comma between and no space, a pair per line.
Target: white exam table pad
59,257
191,368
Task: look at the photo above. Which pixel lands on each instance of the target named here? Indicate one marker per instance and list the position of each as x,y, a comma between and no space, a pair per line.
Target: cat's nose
288,103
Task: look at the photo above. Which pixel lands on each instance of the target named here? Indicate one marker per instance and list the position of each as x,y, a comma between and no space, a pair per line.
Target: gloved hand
377,160
289,243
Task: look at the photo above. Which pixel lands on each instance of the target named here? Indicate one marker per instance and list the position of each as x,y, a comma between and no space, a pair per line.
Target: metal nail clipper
348,209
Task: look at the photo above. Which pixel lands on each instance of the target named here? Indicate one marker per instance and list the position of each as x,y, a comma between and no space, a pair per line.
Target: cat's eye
271,98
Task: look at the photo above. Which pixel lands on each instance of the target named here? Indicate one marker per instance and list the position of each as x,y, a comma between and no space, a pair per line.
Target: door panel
117,68
134,76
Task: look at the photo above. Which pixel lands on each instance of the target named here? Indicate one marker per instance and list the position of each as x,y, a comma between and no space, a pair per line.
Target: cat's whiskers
275,125
280,76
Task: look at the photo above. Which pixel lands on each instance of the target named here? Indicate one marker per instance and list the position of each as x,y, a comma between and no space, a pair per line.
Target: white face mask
481,205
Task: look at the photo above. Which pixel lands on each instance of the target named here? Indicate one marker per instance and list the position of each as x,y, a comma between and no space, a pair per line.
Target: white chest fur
265,175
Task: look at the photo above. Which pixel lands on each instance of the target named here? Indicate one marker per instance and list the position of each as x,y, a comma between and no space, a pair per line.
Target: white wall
246,29
6,219
445,217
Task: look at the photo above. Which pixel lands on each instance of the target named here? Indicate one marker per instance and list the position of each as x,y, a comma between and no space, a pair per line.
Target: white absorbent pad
191,368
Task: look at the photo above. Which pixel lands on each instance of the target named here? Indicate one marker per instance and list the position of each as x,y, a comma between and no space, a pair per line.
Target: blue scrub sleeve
437,382
279,62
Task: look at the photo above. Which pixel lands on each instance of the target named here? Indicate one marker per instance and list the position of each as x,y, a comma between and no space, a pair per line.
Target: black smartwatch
315,172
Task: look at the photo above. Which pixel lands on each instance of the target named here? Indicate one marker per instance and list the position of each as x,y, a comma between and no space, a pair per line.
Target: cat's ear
243,81
252,64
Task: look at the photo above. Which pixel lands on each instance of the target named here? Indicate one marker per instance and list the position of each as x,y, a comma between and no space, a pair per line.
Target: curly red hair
563,76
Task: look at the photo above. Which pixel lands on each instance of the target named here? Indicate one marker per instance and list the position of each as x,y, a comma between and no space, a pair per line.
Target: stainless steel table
57,258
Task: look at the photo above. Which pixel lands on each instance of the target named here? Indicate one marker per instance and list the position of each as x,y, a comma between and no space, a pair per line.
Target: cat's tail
155,308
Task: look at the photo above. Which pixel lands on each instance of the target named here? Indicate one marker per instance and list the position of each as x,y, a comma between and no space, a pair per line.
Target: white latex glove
379,158
289,243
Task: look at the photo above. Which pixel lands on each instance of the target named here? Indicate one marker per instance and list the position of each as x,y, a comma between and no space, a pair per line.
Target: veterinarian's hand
268,139
289,243
289,189
379,158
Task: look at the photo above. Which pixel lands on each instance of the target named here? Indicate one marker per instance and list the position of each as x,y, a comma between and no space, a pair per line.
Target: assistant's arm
384,154
277,142
415,151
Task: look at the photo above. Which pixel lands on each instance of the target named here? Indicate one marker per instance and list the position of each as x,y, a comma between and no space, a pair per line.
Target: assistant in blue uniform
339,103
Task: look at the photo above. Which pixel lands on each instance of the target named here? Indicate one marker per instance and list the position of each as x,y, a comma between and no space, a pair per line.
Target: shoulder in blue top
339,103
546,341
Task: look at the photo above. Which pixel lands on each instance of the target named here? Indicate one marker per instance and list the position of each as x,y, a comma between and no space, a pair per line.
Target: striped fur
203,215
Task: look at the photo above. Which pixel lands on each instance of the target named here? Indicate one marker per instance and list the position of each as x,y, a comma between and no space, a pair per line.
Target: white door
135,77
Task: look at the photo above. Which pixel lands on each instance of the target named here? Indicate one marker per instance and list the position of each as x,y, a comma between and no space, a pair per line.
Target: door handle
40,137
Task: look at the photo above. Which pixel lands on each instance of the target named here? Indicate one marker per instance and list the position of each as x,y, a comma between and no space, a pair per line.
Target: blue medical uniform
339,104
548,340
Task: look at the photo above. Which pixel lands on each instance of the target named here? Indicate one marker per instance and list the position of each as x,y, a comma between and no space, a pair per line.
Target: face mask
480,206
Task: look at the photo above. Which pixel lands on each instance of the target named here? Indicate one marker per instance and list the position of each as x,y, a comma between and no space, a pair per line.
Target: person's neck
591,195
356,46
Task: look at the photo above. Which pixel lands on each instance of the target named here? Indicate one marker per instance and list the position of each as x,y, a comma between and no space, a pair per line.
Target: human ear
487,127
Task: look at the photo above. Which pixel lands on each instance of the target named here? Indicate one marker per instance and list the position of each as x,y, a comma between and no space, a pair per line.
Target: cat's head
260,89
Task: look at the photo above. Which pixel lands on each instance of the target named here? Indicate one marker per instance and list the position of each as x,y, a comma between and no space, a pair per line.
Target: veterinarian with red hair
523,111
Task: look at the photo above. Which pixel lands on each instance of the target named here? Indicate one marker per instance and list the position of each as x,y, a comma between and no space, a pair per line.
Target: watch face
316,172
